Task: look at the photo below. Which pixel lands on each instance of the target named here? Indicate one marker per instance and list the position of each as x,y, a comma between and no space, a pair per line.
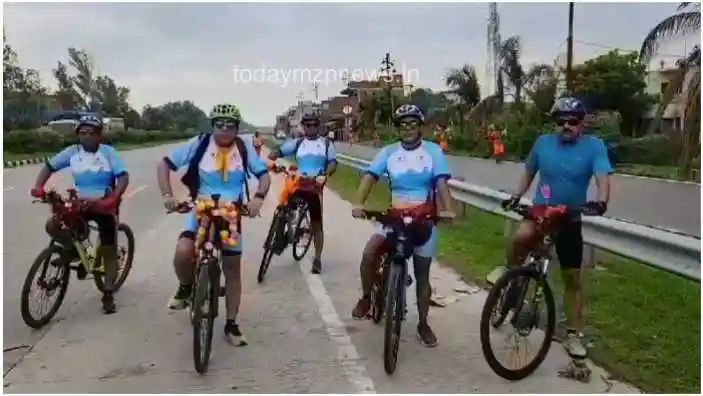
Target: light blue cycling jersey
311,154
94,174
413,174
212,180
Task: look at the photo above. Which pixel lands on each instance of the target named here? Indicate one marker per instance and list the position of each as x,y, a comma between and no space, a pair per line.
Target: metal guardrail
662,249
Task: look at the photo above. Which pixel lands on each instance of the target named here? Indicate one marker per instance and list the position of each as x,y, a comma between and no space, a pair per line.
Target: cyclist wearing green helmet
218,162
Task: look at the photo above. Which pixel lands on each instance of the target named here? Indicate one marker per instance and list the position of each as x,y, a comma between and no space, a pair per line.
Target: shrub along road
658,203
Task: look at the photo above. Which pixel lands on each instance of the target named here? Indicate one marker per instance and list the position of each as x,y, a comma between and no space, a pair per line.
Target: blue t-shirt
412,173
310,156
94,174
565,169
212,180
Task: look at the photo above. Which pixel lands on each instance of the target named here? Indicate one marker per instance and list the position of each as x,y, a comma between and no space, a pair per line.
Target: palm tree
510,67
464,89
686,21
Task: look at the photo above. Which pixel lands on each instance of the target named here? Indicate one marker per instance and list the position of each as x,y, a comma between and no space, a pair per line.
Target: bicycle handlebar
386,217
525,210
209,208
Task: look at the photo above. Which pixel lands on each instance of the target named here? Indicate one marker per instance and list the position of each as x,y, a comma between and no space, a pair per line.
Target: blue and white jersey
413,174
229,184
94,174
311,154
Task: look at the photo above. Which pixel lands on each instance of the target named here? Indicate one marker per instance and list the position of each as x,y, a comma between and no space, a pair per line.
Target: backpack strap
244,155
191,179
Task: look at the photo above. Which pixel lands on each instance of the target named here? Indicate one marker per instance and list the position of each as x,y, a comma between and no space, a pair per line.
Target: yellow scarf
222,160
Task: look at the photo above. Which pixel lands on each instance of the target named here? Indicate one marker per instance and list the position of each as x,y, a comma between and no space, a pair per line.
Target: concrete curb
23,162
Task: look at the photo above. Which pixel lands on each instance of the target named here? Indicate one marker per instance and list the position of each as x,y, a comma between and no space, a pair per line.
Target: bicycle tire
202,347
394,308
274,230
378,290
502,300
122,277
41,260
486,325
305,214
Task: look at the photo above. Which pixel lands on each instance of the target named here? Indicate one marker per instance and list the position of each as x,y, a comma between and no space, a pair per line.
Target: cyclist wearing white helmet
218,163
416,169
99,175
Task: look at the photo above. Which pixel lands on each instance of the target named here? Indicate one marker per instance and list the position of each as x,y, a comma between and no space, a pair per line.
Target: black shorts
568,243
314,202
107,227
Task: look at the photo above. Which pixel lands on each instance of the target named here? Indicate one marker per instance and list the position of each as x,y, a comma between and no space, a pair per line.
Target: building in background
658,82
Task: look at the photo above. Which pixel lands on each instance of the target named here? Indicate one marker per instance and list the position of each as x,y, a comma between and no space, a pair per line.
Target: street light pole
570,51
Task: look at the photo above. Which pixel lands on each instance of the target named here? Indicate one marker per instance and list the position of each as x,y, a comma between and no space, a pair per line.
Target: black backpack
191,179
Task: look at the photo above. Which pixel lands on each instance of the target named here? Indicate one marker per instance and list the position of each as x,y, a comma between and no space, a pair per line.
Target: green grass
645,323
8,156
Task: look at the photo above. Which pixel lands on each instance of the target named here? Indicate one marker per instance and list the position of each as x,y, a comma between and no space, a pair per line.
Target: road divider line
347,354
132,192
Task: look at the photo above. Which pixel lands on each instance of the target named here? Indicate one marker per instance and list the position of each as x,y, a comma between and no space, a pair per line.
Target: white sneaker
574,347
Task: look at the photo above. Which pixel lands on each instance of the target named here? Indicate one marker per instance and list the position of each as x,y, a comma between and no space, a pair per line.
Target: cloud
166,52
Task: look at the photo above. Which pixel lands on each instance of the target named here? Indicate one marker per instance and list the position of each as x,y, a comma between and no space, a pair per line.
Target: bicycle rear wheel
203,318
525,315
125,257
395,310
302,228
271,238
378,290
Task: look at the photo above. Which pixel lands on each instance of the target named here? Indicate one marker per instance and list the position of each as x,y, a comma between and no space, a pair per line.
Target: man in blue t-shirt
565,160
99,176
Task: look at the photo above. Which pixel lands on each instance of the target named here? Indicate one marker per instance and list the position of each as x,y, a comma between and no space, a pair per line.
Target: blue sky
166,52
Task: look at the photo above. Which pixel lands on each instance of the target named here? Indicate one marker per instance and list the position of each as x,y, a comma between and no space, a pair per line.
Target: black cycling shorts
568,243
314,202
107,227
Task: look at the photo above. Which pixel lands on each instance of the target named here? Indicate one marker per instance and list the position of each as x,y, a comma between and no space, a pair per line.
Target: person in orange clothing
376,138
495,139
442,138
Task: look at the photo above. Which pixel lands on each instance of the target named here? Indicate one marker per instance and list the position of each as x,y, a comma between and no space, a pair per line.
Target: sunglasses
88,132
408,125
570,122
311,124
226,124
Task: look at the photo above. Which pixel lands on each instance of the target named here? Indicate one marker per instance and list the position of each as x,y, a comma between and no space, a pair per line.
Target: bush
47,140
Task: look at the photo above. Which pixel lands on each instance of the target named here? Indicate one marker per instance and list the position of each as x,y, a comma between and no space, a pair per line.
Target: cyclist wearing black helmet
99,175
566,161
317,158
416,170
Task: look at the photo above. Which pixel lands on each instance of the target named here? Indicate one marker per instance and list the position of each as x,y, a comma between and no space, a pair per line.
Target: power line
626,49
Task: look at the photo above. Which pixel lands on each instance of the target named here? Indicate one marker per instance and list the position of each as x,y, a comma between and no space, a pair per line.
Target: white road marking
346,351
8,188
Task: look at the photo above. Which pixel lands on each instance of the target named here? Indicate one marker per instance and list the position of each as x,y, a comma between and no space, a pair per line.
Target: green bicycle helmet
225,111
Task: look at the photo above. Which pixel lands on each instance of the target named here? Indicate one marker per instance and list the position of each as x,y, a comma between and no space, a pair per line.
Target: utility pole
388,69
316,89
570,51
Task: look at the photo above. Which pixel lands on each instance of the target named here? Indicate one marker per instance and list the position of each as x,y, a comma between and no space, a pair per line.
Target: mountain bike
291,220
218,225
70,241
389,298
510,291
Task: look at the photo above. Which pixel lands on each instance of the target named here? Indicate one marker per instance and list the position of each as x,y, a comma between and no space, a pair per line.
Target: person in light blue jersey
566,160
100,176
417,171
316,157
218,162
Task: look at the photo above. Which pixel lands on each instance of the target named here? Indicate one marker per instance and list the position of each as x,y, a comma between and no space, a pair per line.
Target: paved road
651,202
302,339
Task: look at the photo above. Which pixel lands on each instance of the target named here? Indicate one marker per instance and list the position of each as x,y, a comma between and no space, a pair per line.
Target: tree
465,91
83,80
66,95
541,83
687,20
511,68
614,82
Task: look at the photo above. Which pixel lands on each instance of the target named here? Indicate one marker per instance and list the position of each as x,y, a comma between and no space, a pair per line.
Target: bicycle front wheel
395,310
271,238
303,233
54,285
203,319
525,318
